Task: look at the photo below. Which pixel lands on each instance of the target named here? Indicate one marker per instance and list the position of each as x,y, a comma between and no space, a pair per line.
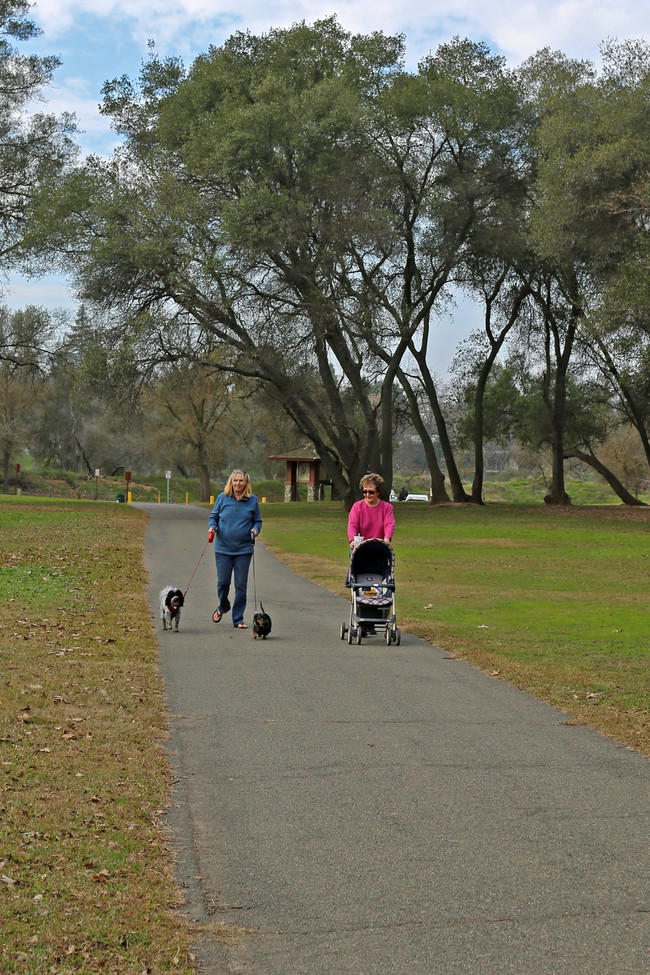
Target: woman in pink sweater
371,517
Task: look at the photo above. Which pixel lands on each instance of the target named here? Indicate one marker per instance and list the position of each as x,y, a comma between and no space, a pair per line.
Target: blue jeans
226,565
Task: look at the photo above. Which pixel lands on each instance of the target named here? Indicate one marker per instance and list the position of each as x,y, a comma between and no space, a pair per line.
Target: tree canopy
297,208
34,146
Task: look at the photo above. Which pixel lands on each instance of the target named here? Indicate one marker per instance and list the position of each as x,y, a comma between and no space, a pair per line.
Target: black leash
197,565
254,581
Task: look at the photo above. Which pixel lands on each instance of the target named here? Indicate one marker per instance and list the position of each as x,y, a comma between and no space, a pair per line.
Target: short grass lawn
86,875
555,601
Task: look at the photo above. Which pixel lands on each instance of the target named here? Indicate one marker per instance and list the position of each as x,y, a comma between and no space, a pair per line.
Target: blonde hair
373,480
248,490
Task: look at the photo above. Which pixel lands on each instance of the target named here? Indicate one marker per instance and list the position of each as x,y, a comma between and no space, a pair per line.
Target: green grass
527,491
555,601
510,490
87,879
58,484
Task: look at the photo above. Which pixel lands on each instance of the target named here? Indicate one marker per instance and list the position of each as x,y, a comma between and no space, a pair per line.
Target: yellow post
159,497
187,497
128,498
212,499
263,500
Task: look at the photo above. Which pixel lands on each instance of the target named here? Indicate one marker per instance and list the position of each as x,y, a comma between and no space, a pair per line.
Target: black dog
261,624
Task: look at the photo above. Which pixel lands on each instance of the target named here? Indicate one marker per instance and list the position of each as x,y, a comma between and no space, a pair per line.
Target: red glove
211,535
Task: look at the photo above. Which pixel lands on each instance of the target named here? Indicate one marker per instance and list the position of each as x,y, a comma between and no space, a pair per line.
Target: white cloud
49,292
76,95
576,27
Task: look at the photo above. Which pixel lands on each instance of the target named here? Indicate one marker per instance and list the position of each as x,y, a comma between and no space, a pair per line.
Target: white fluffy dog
171,602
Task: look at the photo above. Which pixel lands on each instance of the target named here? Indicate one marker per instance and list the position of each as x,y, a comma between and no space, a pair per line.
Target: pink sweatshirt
376,521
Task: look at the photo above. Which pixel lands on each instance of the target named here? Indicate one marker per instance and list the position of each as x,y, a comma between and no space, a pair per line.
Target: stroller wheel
398,636
358,636
389,636
350,636
344,630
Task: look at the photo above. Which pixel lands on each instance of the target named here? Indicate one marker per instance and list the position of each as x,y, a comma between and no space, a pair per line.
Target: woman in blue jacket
234,523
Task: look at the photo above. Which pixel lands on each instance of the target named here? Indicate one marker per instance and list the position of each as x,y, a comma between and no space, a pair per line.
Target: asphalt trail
384,811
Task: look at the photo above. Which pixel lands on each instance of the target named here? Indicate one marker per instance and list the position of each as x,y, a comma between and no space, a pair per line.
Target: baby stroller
372,592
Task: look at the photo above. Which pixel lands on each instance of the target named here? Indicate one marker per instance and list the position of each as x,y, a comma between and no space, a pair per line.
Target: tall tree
594,175
445,151
506,299
23,366
557,277
305,200
34,146
226,207
187,407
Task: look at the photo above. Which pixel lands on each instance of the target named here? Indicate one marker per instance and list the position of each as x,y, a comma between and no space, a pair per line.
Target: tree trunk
557,494
633,405
479,463
438,490
496,344
557,368
386,438
83,455
346,452
204,474
457,490
609,476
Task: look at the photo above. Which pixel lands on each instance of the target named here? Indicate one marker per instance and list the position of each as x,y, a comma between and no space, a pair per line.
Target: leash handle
196,567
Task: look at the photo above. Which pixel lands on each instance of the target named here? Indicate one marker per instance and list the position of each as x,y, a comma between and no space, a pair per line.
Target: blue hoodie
233,522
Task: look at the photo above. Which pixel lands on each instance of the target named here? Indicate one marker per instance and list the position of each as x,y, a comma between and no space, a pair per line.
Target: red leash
197,565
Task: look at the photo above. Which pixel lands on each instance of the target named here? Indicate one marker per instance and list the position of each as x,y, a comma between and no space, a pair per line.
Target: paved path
375,811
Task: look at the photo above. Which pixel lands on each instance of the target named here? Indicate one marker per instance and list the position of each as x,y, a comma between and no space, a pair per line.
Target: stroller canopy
372,567
373,556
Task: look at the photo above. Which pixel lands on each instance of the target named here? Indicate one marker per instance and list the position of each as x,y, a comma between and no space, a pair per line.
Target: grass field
553,601
59,484
87,884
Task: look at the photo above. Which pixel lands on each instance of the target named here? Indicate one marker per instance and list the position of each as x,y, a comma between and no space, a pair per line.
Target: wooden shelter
303,467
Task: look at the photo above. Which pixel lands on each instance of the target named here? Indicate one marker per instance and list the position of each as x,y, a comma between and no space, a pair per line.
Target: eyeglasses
243,473
368,492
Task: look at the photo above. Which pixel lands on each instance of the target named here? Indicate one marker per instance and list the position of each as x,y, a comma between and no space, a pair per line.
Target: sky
98,40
